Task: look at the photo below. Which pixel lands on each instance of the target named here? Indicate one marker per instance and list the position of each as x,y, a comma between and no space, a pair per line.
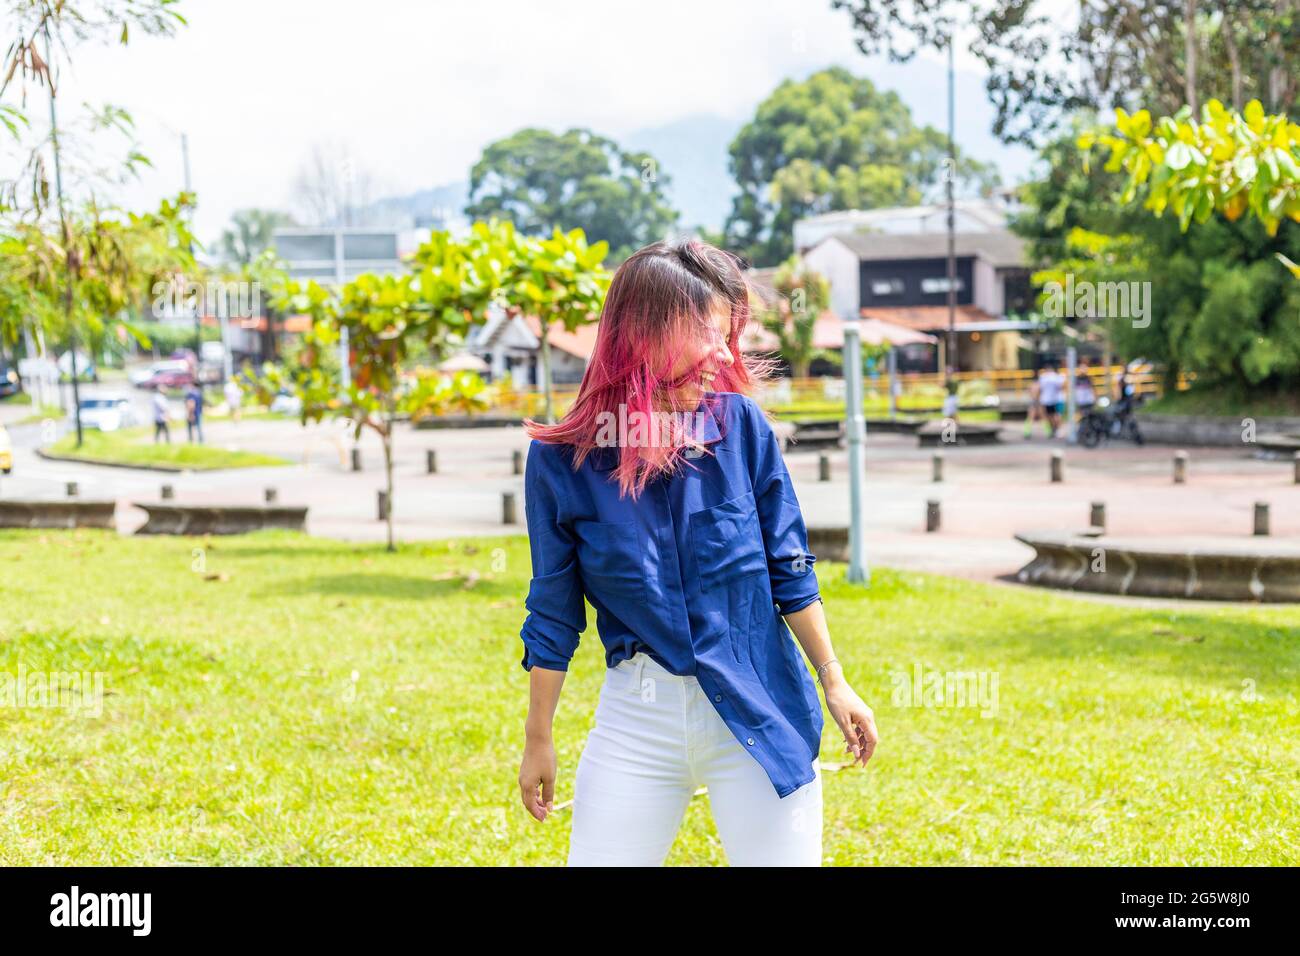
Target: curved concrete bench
829,543
816,432
57,513
1277,447
931,434
1212,569
168,518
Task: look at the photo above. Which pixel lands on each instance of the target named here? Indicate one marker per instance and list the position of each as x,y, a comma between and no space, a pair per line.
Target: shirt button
717,697
750,741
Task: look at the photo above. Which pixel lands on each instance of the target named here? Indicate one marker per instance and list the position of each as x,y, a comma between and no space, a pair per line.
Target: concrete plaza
988,494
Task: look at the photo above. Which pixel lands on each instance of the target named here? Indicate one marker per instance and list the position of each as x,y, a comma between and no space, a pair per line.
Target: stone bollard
823,467
508,508
383,506
932,516
1058,467
356,459
517,462
1180,468
168,492
431,461
71,489
936,467
272,496
1261,517
1097,516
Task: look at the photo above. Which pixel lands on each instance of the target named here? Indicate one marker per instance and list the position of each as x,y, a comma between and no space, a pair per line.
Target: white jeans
657,738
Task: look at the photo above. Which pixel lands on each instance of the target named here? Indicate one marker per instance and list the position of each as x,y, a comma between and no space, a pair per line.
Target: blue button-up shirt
695,573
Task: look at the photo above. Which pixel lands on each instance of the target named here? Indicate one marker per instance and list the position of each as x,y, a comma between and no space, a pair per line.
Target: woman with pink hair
663,500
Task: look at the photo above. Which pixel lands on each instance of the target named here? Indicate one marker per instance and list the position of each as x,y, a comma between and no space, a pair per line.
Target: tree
332,188
450,287
1219,306
1228,162
833,141
543,182
559,279
42,27
249,234
803,294
1115,52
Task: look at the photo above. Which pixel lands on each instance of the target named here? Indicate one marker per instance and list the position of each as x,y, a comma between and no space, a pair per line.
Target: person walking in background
1035,411
951,403
234,398
194,413
1051,394
1085,393
159,404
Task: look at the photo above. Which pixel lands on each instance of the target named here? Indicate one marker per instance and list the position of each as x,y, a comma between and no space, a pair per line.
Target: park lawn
280,699
135,446
876,409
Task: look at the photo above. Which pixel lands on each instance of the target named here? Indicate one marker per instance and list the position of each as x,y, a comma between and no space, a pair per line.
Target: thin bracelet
823,666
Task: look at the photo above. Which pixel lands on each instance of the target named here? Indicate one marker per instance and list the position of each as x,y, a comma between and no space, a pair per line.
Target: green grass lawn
46,411
278,699
135,446
831,409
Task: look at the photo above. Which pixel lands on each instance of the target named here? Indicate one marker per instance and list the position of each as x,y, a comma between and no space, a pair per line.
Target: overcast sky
416,89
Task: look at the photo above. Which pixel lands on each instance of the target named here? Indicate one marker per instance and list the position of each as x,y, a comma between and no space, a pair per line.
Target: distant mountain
692,152
437,208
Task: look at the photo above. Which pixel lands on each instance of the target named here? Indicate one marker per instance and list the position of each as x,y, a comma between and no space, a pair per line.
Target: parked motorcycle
1107,421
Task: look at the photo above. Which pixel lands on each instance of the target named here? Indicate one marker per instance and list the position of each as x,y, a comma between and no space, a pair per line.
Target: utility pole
345,350
855,424
198,307
950,174
72,268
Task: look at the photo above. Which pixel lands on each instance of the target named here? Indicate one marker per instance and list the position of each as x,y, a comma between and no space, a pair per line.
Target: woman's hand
538,770
851,714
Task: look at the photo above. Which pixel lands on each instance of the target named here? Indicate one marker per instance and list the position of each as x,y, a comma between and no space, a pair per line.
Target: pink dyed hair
659,305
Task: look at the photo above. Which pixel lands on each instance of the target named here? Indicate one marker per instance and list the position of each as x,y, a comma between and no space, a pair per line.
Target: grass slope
134,446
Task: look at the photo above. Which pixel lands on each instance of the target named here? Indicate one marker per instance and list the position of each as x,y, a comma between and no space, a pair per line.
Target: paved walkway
989,493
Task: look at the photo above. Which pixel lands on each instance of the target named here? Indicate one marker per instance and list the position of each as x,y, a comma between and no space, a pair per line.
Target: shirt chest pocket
609,558
728,542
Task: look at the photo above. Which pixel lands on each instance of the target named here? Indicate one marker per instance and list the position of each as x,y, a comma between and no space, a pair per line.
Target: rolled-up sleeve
557,611
785,536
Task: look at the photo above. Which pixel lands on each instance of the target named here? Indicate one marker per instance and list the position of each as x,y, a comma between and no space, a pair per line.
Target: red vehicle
170,379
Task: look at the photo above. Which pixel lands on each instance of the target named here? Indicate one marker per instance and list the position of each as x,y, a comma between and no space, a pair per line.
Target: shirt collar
704,422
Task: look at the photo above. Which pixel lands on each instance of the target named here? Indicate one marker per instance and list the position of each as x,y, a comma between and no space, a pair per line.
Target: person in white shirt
234,398
159,404
1051,394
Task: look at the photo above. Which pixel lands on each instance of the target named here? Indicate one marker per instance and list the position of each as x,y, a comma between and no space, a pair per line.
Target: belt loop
636,673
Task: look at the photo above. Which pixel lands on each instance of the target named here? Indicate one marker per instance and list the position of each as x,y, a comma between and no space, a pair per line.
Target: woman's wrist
537,732
829,673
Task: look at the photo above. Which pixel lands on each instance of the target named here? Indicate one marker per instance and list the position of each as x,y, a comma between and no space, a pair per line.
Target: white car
107,414
286,403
